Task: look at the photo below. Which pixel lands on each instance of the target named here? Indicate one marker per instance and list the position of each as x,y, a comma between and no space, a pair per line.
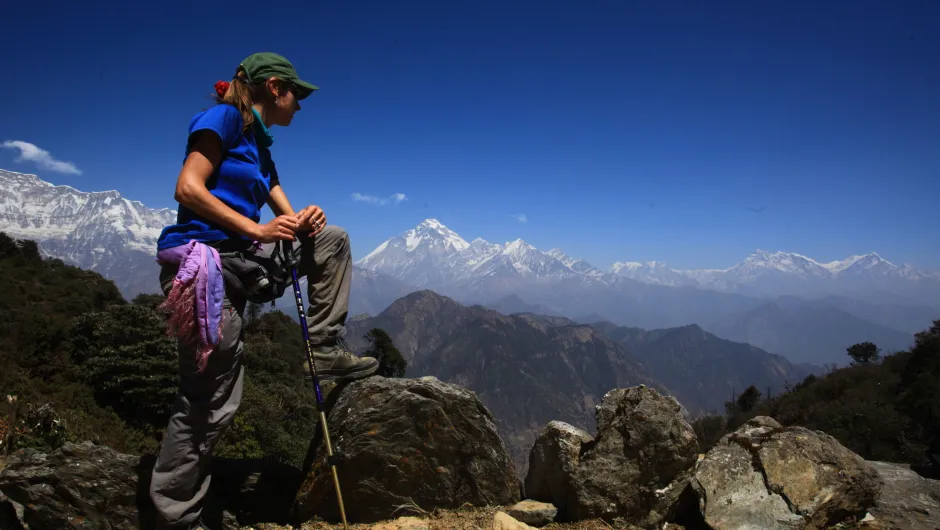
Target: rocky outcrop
643,445
407,444
765,476
78,486
907,500
91,486
432,448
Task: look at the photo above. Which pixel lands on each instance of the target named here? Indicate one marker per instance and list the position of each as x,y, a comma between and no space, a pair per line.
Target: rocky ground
467,519
907,501
428,447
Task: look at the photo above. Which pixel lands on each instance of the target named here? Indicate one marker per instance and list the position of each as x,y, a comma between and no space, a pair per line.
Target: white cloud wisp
395,198
40,157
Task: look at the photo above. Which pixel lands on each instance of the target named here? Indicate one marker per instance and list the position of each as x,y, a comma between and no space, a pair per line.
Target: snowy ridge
100,231
761,264
432,254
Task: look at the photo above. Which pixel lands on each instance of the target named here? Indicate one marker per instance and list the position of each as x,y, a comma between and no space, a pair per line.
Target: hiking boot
336,361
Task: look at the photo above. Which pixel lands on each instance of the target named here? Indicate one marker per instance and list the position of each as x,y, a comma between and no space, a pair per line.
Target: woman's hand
311,219
281,227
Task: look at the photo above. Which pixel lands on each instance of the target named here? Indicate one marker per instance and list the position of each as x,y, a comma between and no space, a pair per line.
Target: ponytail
239,94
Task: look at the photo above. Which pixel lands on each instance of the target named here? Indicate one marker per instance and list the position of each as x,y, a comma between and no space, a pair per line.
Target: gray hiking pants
207,402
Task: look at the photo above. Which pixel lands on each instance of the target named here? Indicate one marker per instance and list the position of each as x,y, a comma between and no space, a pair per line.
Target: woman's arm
191,192
278,201
311,218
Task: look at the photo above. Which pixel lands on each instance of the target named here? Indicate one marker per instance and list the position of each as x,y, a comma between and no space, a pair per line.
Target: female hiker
227,177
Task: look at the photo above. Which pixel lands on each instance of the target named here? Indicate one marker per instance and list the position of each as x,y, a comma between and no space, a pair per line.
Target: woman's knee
334,233
333,239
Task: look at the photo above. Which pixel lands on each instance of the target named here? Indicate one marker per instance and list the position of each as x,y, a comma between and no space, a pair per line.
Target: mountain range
432,255
815,328
863,297
99,231
529,369
778,273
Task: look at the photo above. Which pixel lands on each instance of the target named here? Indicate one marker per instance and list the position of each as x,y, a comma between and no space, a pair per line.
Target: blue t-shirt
242,181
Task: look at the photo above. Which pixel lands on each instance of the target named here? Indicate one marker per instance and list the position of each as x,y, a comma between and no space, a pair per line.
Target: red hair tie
221,87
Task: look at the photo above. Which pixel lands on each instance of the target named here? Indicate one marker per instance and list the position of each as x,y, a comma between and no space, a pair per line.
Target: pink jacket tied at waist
195,301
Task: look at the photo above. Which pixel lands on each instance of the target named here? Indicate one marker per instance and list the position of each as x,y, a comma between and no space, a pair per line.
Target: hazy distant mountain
655,272
868,276
704,371
909,319
99,231
526,373
513,304
529,368
371,292
811,331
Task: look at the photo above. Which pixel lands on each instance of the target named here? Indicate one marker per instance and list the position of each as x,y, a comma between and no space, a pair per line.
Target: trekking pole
321,406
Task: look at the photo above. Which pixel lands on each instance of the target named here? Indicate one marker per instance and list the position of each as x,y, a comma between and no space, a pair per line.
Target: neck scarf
262,134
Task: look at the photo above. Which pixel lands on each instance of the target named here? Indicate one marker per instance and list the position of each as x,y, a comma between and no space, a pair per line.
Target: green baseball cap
263,65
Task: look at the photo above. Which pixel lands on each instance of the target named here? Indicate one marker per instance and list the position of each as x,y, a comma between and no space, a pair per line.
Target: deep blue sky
622,130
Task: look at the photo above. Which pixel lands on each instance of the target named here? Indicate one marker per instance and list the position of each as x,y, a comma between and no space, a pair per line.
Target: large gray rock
552,461
765,476
402,443
77,486
643,446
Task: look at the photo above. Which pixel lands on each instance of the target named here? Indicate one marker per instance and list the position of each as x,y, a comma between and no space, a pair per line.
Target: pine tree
125,355
864,353
391,362
749,399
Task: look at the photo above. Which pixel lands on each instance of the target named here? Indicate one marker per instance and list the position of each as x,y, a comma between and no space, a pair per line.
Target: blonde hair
242,95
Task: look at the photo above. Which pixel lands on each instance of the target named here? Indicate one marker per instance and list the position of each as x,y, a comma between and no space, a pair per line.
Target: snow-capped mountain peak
656,272
517,248
763,262
431,253
840,265
575,264
429,236
432,232
871,264
100,231
430,247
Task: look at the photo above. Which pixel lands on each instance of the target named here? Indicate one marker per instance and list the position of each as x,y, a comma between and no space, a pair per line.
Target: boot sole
326,375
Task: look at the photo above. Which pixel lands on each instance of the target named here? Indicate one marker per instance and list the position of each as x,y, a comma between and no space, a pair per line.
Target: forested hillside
883,408
82,363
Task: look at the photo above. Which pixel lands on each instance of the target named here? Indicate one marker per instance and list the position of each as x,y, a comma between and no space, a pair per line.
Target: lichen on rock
407,445
766,476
